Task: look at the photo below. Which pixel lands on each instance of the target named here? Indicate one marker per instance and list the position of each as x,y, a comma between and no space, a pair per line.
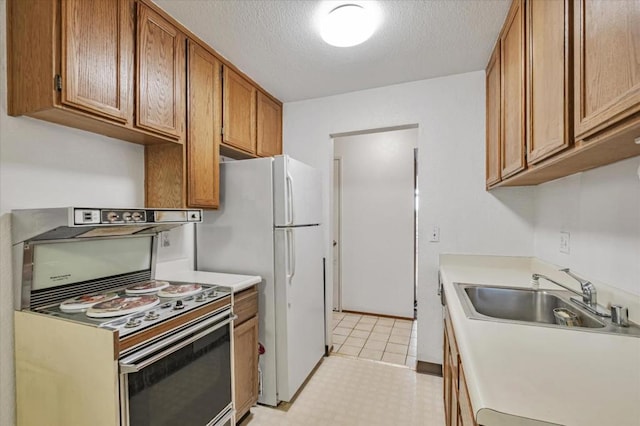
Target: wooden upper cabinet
269,126
549,88
607,64
493,117
512,60
239,111
160,74
204,112
71,62
97,56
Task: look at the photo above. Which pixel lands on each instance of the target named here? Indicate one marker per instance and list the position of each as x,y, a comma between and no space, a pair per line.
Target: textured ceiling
277,42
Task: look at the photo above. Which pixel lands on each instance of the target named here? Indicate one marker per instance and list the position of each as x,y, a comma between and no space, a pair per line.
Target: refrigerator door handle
289,182
291,255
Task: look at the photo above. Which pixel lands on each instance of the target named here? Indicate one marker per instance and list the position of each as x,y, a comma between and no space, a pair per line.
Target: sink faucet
589,295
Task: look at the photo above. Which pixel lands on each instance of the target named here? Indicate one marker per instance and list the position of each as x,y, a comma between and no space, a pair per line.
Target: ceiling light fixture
348,25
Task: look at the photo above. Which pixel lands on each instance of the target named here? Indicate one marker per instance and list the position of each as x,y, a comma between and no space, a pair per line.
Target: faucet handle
572,275
582,281
588,289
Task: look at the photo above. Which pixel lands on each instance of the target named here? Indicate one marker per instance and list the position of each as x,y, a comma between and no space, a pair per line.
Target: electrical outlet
166,242
565,242
435,234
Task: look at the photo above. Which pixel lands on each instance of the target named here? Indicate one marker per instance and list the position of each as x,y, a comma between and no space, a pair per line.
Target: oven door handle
128,365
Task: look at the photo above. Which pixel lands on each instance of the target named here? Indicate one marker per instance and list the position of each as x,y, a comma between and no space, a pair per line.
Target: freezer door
297,192
300,318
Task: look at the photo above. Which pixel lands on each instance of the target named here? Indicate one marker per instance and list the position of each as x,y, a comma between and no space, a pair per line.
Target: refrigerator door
299,306
297,192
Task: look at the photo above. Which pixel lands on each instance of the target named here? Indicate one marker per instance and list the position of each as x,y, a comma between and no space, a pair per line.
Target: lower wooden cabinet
457,404
245,353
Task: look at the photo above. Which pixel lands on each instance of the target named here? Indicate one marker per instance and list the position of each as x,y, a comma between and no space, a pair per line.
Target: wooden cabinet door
97,57
464,402
204,103
239,112
607,68
493,117
446,377
269,127
513,90
453,407
548,79
160,75
245,356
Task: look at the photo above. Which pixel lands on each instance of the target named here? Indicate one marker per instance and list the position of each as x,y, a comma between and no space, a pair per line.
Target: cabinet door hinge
58,83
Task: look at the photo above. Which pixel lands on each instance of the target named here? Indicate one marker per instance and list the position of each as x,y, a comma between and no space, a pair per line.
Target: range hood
76,222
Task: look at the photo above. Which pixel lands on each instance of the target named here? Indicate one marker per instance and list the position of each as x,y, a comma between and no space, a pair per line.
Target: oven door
183,379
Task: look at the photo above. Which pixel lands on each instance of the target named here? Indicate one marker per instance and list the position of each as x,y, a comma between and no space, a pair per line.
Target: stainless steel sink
529,306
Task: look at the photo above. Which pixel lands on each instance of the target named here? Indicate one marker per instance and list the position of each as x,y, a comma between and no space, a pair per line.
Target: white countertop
531,375
176,271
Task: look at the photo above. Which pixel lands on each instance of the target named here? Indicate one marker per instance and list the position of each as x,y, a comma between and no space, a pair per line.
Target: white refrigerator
268,224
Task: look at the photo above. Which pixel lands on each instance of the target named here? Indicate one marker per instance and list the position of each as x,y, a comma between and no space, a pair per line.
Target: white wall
450,113
600,209
377,221
46,165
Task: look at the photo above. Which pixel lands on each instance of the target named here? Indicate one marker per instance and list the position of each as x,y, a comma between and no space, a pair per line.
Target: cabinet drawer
245,304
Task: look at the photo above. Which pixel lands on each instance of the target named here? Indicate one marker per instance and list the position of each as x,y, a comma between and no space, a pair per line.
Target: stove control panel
132,216
97,216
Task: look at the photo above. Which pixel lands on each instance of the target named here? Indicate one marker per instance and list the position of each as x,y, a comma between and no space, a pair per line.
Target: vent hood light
348,25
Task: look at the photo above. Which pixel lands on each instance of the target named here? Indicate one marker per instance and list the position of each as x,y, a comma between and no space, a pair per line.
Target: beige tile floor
377,338
347,391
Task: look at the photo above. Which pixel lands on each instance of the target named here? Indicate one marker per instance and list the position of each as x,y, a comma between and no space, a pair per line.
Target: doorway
337,207
374,212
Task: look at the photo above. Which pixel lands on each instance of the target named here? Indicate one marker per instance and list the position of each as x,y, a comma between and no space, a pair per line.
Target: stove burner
147,287
122,306
180,290
82,303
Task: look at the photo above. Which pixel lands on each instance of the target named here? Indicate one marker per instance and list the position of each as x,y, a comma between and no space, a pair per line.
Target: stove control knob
179,305
112,217
151,315
133,322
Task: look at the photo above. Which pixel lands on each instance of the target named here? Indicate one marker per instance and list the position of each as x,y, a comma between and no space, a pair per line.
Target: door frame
337,229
